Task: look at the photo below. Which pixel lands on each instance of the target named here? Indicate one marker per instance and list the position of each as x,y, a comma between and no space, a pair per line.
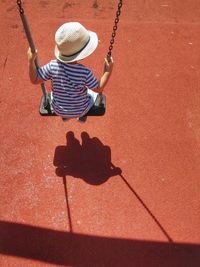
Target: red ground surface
131,195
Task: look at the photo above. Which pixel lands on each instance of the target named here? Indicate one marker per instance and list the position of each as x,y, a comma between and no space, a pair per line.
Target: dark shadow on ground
89,160
69,249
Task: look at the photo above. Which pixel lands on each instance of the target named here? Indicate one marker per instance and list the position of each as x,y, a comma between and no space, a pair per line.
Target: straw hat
74,42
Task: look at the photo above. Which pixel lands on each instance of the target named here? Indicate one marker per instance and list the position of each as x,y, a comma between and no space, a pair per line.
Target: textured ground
120,190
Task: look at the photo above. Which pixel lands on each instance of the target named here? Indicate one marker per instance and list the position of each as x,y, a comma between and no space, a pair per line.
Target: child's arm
107,70
32,68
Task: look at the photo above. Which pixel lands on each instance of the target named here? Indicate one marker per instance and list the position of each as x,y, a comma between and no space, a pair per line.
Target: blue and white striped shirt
69,87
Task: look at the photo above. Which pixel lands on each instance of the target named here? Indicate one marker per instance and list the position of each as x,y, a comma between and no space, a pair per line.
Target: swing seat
98,109
46,110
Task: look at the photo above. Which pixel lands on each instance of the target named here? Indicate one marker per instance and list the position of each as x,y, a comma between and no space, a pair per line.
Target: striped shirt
69,87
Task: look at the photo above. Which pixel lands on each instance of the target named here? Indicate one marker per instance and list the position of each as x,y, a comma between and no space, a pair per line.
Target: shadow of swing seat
98,109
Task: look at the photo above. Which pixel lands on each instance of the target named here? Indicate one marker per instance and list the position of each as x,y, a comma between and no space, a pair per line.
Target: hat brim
88,50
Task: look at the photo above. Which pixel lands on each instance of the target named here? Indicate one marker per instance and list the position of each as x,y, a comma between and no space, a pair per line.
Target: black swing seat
98,109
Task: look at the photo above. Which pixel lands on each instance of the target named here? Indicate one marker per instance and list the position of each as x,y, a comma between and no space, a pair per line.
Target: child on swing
74,87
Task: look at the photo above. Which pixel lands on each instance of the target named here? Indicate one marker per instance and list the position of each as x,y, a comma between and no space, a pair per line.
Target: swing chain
21,10
118,13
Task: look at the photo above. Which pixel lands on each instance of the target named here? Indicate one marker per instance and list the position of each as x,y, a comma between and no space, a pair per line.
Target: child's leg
82,119
93,96
65,119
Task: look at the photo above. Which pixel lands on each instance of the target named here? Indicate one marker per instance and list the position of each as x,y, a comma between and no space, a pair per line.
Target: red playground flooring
122,189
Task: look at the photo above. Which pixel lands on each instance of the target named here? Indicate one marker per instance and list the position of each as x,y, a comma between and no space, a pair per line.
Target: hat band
78,51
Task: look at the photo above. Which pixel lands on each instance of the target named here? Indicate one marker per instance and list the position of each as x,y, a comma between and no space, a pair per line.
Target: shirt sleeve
91,81
44,72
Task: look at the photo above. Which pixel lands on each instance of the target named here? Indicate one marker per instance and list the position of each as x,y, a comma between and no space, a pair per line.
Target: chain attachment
118,13
19,3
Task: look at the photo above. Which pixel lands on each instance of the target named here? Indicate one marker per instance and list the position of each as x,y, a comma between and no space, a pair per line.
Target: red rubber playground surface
122,189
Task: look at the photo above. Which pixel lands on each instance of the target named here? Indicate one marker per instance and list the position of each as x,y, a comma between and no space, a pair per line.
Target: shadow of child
89,160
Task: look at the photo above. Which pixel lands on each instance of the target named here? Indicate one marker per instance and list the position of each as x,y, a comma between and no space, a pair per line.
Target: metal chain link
118,13
21,10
